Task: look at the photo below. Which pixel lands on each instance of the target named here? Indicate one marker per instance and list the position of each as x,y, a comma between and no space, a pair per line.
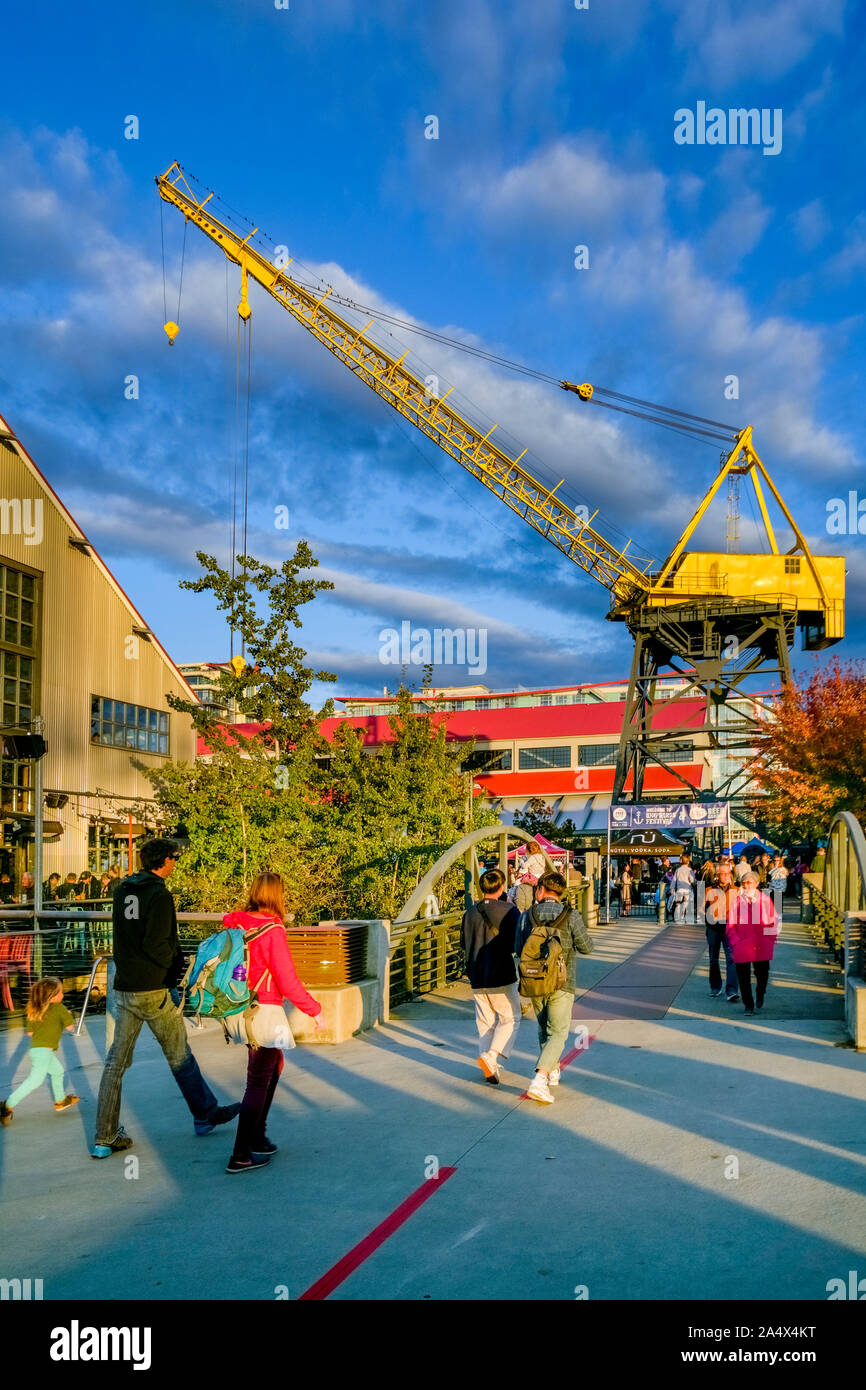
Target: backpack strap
557,921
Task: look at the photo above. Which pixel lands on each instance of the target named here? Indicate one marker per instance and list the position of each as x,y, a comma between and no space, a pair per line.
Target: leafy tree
812,758
537,819
351,833
395,813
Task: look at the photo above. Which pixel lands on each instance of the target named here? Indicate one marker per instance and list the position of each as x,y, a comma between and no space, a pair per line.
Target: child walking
47,1017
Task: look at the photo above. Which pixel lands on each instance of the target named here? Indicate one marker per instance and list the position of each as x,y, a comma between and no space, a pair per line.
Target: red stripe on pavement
569,1057
365,1248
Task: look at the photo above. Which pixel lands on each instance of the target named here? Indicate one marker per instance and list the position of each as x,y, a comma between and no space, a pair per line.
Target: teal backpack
217,983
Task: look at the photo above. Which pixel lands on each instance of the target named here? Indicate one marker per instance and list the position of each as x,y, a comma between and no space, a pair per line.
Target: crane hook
172,329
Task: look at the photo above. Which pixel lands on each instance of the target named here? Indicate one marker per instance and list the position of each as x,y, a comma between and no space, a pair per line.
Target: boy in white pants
488,946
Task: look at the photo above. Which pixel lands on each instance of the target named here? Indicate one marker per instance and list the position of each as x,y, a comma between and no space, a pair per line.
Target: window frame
111,732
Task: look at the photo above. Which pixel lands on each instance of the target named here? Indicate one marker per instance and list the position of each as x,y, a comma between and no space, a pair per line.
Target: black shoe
748,1012
733,998
714,993
264,1149
5,1113
220,1116
759,1003
247,1165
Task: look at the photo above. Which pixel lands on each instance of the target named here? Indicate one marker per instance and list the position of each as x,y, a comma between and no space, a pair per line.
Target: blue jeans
155,1008
717,937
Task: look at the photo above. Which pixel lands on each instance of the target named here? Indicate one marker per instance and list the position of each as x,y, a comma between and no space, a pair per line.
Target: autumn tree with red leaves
813,755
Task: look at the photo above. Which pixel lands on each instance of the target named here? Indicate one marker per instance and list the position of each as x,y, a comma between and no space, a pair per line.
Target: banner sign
690,815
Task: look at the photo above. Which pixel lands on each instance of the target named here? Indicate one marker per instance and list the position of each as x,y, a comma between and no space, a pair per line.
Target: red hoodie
270,957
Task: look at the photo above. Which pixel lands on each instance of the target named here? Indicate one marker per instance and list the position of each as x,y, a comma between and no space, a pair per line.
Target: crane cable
679,420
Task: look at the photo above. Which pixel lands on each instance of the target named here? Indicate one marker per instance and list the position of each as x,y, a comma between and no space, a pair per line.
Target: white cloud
811,224
726,41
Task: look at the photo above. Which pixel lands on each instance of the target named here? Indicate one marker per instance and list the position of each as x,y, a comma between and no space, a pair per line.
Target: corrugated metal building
74,650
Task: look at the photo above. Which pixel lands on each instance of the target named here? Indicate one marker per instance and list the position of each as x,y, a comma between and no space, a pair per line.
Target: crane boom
411,397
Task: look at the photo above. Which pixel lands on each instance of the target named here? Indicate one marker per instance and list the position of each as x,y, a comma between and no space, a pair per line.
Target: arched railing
425,943
838,894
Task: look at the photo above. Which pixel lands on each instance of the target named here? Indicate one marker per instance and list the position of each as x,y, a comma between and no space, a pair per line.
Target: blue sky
555,129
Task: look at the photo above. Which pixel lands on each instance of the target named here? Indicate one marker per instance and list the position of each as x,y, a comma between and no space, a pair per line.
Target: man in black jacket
148,963
488,950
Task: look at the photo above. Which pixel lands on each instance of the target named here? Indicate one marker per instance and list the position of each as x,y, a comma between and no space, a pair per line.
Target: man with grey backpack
548,939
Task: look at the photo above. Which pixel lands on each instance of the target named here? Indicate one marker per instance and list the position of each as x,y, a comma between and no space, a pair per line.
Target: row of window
120,725
577,697
559,755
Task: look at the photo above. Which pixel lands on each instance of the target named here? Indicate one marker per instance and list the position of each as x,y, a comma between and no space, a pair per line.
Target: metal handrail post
96,963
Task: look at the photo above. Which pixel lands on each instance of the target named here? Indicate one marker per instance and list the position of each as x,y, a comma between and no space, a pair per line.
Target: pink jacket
271,958
752,929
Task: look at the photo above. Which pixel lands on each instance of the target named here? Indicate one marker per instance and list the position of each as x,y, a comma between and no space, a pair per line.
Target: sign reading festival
690,815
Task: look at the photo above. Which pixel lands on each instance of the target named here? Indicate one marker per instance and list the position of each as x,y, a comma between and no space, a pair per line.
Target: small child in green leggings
46,1019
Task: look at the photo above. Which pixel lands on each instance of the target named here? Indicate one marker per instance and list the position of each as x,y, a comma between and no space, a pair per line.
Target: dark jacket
573,934
488,944
146,949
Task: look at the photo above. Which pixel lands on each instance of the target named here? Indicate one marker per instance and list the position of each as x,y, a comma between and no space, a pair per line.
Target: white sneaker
539,1090
553,1078
490,1066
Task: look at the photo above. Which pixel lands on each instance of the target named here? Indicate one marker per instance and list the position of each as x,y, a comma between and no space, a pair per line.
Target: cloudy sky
555,129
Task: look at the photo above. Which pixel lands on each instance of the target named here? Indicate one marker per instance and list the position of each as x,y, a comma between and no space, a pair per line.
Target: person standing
743,867
778,883
549,917
272,976
625,886
683,889
148,964
752,932
721,895
488,933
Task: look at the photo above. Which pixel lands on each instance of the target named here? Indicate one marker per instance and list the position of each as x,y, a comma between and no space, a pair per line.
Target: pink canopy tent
555,852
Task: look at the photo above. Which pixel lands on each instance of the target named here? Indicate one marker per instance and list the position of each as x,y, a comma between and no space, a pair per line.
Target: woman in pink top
752,932
273,976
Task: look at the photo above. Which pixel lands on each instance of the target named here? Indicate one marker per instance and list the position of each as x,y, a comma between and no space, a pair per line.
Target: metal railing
425,955
73,945
834,901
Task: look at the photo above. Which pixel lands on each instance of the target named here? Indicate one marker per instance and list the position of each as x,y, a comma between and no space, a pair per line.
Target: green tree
397,811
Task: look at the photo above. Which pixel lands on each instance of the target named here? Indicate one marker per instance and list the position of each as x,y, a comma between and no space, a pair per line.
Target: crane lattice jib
410,397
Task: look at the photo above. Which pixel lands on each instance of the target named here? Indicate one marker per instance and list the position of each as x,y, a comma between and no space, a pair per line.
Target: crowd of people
520,941
149,967
79,888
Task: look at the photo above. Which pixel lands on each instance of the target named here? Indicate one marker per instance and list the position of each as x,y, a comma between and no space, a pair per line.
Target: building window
578,698
533,759
119,725
792,564
597,754
18,638
15,793
677,752
546,700
482,704
488,760
562,699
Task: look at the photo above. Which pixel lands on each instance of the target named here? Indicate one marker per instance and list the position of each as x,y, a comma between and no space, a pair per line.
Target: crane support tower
726,622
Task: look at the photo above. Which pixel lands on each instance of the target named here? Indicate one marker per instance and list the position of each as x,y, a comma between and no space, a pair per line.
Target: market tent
638,843
555,853
754,844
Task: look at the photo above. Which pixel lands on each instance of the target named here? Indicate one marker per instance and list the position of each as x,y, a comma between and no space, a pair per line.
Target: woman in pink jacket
752,932
273,976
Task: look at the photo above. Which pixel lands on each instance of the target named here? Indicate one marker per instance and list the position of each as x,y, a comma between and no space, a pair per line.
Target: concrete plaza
691,1153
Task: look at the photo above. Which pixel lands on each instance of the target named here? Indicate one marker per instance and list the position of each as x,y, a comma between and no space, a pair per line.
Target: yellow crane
721,618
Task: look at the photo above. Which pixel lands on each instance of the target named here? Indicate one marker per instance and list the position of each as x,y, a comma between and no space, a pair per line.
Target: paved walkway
691,1152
